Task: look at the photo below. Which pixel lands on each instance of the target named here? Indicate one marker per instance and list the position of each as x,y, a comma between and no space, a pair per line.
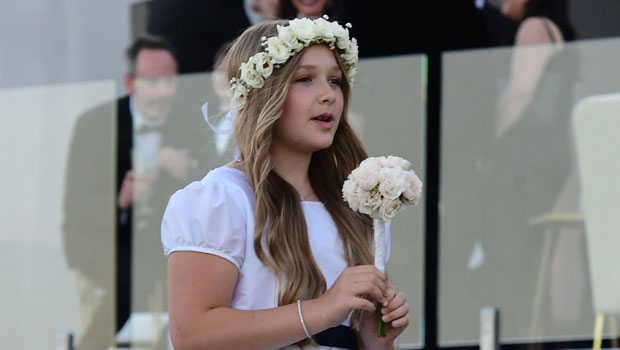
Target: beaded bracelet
301,318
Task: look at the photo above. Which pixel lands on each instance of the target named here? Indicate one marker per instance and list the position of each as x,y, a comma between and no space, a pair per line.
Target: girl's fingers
368,288
398,300
396,314
368,269
401,322
364,304
390,293
375,280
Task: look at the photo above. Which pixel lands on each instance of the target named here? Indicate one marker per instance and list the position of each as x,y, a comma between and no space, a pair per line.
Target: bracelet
301,318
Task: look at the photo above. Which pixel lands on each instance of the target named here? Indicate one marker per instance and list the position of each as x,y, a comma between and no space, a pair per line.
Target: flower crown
291,39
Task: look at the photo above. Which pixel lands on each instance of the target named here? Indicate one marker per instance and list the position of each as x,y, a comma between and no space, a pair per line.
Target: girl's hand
345,294
395,315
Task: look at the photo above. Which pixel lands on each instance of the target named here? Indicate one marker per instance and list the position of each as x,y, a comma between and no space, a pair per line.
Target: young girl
263,253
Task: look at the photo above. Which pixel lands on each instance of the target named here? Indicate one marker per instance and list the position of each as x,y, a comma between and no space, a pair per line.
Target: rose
350,194
367,178
389,208
391,183
413,188
351,53
277,50
351,75
289,39
371,163
369,202
303,29
263,65
250,75
341,35
393,162
323,29
239,96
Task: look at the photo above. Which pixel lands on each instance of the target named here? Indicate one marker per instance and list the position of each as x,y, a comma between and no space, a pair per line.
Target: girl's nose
327,95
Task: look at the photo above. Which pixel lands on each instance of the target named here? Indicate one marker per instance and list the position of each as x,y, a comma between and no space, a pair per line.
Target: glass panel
190,136
57,216
512,228
388,112
167,158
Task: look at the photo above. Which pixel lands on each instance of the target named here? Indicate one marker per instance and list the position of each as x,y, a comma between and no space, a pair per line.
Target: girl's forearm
226,328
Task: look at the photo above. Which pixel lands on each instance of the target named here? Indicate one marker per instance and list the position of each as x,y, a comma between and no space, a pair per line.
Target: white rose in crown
303,29
263,65
323,29
288,37
239,95
250,75
380,187
352,51
277,49
341,35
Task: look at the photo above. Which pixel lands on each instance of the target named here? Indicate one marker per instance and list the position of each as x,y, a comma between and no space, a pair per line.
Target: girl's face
310,8
313,105
514,9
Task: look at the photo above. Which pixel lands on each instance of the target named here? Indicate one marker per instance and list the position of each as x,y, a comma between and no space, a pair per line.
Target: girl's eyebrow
313,67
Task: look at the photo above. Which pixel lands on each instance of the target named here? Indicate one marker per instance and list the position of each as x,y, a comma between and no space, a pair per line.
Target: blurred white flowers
381,186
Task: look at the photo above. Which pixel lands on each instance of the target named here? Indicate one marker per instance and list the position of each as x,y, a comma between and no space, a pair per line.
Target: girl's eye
303,79
335,81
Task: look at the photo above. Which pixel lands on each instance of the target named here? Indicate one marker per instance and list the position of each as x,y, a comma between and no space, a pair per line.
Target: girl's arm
200,289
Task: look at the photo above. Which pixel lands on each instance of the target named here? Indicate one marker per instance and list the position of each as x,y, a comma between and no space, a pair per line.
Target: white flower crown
291,39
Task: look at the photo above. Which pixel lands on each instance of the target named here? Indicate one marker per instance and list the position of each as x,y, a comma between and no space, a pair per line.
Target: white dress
216,216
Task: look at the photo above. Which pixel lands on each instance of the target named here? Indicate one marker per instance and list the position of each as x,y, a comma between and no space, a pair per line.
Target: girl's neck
293,167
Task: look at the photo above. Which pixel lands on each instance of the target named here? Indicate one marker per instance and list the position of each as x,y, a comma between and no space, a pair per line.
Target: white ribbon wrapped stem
380,244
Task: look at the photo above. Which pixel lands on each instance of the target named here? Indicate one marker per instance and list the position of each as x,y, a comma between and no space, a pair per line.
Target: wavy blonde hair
281,235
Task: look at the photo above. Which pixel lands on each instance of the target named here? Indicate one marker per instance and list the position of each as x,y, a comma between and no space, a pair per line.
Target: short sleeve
209,217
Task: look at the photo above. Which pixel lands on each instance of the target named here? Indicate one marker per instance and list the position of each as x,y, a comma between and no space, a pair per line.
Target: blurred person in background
147,155
529,170
312,9
259,10
540,96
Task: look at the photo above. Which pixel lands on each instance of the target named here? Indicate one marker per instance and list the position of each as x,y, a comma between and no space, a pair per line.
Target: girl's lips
325,121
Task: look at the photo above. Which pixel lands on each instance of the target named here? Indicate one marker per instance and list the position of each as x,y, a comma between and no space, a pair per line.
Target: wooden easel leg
614,332
598,331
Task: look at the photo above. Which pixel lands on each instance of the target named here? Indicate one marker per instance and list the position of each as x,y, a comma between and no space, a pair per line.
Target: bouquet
380,187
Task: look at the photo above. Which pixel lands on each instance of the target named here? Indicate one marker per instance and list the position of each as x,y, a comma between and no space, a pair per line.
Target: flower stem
380,324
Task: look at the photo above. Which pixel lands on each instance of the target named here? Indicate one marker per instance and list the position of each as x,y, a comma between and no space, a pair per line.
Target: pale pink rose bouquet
380,187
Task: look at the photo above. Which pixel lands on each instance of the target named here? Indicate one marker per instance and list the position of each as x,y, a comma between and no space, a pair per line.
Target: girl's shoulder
210,216
220,184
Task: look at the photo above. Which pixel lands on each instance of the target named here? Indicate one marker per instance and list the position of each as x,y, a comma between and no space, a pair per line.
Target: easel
551,221
598,330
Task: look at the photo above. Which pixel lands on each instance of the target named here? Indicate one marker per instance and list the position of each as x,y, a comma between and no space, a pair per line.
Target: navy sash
338,337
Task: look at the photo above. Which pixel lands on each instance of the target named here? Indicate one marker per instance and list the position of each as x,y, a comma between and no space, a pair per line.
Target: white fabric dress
216,216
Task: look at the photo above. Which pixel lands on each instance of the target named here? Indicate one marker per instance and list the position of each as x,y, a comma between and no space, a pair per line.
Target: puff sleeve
209,217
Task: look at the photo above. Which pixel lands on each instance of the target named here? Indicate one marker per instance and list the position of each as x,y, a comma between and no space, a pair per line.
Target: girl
263,252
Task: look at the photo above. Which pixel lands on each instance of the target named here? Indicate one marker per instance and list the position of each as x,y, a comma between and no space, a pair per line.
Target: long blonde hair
281,235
